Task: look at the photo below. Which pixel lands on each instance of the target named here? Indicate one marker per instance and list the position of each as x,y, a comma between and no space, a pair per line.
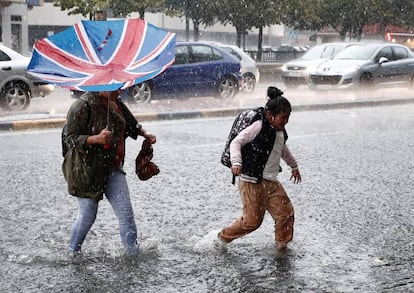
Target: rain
354,223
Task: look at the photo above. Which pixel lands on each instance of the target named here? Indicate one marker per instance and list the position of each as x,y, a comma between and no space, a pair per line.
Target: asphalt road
354,228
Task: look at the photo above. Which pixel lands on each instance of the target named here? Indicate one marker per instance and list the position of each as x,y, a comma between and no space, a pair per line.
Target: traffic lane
353,209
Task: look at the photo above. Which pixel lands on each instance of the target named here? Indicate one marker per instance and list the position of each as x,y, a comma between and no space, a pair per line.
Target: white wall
16,42
50,15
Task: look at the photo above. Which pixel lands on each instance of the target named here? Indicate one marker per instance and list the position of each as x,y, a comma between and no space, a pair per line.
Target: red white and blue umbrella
103,55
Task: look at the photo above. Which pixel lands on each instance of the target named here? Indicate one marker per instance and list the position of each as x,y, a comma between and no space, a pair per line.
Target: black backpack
244,119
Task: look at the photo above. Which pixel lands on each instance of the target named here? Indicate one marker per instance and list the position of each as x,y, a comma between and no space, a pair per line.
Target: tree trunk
187,28
196,30
238,37
260,44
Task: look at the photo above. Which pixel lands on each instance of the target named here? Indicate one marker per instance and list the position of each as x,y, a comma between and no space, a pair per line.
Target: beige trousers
257,198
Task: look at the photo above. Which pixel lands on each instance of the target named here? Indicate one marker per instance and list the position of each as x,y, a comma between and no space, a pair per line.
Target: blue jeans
117,193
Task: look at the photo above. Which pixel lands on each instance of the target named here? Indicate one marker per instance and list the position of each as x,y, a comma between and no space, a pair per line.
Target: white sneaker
219,244
281,246
148,246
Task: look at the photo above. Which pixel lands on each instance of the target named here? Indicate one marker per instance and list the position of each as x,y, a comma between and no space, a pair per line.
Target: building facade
25,21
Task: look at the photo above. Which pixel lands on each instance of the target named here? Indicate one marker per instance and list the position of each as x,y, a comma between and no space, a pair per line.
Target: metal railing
274,56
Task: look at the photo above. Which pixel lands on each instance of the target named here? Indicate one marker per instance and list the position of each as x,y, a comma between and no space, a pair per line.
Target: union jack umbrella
103,55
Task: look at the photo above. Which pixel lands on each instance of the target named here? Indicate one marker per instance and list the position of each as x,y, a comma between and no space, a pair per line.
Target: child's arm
291,162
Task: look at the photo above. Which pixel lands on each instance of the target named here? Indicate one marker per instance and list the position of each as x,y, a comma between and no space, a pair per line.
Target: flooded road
354,229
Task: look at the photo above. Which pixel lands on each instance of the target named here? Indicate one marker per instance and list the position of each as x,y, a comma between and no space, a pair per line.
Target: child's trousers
257,198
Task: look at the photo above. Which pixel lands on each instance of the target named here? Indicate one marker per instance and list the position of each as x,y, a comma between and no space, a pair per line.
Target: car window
357,52
314,53
232,52
181,55
4,56
204,53
385,52
328,52
400,53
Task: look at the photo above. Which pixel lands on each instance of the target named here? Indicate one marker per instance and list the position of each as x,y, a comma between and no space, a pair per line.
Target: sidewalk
44,115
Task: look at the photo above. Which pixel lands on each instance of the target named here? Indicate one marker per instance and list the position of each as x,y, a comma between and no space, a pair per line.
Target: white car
296,72
248,68
16,86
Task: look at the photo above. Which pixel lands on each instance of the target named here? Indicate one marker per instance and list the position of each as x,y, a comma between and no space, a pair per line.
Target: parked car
200,69
16,86
248,68
383,64
296,72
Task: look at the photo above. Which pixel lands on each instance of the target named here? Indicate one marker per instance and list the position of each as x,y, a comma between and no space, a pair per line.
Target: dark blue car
200,69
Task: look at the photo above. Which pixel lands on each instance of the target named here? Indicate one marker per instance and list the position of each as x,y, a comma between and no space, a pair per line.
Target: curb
59,122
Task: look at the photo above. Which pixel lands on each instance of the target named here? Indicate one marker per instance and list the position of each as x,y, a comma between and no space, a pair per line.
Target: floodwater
354,221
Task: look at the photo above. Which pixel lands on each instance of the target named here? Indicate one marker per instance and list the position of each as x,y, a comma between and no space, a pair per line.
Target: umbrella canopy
103,55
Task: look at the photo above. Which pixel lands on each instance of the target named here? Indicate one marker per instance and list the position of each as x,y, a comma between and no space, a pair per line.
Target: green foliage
83,7
125,7
345,16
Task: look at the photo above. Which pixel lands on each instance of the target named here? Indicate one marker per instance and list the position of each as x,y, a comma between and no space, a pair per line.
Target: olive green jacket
86,167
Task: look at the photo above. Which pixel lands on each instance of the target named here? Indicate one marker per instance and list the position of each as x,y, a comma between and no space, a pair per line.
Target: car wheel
141,93
15,96
366,80
248,83
227,88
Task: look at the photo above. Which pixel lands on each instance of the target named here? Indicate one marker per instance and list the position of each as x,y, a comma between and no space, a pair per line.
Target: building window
16,18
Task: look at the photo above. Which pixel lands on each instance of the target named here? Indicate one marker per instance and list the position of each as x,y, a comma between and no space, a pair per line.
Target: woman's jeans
117,193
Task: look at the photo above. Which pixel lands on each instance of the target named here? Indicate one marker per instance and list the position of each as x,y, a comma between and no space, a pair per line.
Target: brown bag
144,168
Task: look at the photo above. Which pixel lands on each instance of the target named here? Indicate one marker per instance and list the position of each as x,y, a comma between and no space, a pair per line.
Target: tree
125,7
199,12
395,12
267,14
83,7
301,15
346,16
240,14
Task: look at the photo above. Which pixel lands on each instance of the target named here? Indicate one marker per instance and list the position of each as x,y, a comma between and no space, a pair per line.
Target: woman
97,126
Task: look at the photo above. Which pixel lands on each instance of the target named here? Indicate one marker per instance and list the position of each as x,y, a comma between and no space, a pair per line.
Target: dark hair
277,103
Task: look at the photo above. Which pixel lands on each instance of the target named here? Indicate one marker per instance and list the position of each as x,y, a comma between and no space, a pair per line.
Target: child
255,155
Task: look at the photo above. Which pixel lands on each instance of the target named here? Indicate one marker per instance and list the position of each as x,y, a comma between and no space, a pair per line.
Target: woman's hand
103,137
151,138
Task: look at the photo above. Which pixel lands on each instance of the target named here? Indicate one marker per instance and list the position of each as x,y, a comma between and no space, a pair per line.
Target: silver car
296,72
380,64
16,86
248,68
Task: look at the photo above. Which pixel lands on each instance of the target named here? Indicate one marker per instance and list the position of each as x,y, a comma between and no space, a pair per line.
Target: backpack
244,119
64,134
